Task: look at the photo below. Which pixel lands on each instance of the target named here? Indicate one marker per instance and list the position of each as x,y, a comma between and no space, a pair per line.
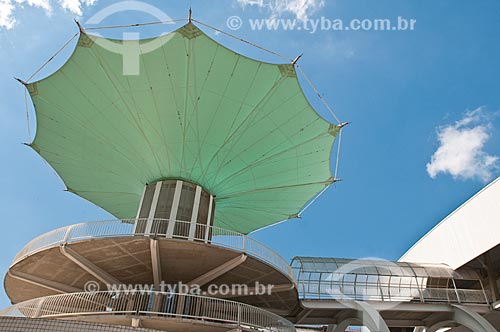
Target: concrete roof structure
467,233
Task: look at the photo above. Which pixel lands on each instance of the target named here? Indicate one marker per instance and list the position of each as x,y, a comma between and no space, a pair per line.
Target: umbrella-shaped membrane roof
197,111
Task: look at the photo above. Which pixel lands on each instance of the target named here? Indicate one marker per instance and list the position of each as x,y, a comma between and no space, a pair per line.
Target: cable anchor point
342,125
294,62
79,25
331,181
21,81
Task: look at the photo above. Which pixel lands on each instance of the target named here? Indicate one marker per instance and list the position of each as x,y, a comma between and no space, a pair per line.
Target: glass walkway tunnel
390,296
378,280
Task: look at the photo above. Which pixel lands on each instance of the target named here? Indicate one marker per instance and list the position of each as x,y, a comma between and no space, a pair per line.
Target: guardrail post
484,292
39,307
379,286
136,220
420,292
239,315
180,305
207,232
68,233
456,291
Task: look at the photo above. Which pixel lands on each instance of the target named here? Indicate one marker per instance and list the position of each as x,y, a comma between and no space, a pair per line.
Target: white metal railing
366,291
159,305
136,227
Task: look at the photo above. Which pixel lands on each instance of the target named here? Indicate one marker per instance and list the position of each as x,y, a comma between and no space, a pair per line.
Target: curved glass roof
377,280
197,111
380,267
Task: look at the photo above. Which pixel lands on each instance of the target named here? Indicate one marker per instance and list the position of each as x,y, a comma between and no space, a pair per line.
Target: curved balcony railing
131,227
156,305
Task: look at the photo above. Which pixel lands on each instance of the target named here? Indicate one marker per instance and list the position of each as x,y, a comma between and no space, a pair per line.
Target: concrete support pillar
462,316
364,315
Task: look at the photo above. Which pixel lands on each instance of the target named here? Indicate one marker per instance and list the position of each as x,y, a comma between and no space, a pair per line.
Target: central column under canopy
175,208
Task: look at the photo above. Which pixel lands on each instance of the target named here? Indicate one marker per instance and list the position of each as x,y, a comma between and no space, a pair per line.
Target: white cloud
300,8
461,152
6,18
8,8
75,6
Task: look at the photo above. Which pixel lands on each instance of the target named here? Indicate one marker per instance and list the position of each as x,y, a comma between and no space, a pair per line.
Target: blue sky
423,105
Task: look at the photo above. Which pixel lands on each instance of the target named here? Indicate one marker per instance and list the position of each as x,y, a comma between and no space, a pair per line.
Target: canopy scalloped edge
241,128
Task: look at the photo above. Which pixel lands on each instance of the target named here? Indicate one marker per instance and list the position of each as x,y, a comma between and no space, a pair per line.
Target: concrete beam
44,283
465,317
89,267
156,263
343,325
136,322
344,314
390,306
363,315
404,322
218,271
356,313
436,318
371,318
331,327
303,315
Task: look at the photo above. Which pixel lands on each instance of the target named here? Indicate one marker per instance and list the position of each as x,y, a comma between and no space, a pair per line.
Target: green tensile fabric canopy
197,111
